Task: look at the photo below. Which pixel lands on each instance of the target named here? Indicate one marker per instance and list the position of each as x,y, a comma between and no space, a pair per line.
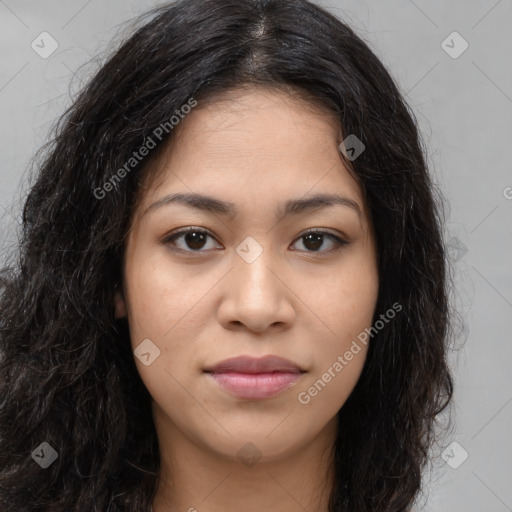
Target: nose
257,295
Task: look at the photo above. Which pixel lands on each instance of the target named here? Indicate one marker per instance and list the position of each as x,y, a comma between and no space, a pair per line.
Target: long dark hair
67,372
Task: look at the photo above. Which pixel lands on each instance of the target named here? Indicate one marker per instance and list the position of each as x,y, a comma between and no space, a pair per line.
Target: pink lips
255,378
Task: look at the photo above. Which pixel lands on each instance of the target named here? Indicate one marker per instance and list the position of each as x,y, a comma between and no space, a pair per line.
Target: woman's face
249,281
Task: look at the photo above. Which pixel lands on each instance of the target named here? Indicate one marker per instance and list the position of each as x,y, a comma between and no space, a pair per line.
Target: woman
231,288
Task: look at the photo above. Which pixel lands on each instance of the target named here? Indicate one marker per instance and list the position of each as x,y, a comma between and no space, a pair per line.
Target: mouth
255,378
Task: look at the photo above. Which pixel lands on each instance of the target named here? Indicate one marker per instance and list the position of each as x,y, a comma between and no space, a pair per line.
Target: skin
297,300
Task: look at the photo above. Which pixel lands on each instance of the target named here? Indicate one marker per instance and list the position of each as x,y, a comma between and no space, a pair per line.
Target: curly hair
67,372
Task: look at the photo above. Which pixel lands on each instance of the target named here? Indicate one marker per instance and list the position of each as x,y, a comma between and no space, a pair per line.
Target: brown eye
196,240
313,241
189,240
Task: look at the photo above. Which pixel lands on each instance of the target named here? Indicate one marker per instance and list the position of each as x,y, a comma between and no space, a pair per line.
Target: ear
119,305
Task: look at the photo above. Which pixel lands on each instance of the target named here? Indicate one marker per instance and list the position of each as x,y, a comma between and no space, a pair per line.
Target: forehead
252,122
256,120
253,142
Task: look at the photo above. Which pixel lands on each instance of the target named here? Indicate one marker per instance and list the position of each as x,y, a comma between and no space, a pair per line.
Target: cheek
161,299
344,307
169,306
344,302
346,310
325,393
162,307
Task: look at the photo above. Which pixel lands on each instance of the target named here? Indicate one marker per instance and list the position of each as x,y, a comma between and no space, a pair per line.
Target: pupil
318,241
195,240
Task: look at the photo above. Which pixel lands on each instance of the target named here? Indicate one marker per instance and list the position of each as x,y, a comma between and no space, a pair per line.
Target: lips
247,364
255,378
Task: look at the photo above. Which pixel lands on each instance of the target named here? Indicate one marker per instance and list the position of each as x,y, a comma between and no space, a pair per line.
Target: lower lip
256,385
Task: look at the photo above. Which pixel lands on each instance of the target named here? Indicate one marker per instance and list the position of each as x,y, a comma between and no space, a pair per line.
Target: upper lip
248,364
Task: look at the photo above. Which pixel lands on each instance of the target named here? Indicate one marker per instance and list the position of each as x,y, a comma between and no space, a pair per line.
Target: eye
193,238
313,240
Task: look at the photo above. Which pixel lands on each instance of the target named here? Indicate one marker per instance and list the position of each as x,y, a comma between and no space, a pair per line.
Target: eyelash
170,239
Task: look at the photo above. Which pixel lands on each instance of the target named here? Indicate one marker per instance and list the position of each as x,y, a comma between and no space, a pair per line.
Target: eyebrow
290,207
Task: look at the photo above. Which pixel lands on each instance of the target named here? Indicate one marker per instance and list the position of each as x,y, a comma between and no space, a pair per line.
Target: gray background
463,106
